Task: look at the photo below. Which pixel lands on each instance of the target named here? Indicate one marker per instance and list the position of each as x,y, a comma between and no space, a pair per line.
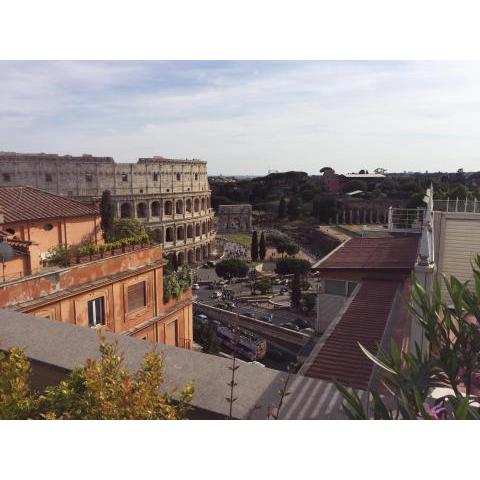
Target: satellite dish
6,252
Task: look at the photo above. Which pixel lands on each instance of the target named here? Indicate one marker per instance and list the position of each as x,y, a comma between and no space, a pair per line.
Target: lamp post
317,316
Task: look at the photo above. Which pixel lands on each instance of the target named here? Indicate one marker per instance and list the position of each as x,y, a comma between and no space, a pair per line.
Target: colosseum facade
172,197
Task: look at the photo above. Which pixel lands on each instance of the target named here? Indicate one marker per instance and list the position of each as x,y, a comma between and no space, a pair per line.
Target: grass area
244,239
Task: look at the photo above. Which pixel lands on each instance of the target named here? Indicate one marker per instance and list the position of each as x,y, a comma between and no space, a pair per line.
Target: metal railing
457,205
407,220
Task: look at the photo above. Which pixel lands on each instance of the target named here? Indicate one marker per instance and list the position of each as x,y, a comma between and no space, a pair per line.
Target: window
196,176
179,176
6,177
48,177
136,296
124,177
96,312
155,177
88,177
47,227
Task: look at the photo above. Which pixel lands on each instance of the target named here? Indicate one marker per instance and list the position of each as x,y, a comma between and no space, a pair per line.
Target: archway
196,205
181,258
180,233
197,230
203,204
169,234
125,210
190,257
189,231
155,209
141,210
198,255
179,207
188,205
167,207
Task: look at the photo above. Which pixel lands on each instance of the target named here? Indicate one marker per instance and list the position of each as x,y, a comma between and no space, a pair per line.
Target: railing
457,205
405,220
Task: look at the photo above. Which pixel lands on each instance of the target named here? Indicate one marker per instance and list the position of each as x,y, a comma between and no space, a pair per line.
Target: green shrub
289,266
233,267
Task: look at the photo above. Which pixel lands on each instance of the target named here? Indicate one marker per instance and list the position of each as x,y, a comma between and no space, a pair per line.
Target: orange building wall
68,230
174,326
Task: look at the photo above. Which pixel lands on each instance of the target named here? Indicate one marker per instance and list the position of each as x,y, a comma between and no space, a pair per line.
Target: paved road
279,315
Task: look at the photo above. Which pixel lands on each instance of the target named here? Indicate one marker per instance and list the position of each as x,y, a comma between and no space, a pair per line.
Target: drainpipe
317,317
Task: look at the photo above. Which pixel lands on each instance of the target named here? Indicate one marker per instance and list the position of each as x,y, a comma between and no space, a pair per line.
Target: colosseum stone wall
172,197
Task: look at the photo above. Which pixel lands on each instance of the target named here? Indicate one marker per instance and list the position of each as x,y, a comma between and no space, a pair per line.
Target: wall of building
63,295
52,232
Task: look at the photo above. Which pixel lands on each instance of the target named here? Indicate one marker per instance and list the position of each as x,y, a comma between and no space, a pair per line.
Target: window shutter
136,296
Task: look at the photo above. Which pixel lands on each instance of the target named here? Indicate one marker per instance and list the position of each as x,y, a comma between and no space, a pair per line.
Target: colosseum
172,197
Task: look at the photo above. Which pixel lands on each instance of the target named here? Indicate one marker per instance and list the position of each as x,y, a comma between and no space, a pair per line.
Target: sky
245,118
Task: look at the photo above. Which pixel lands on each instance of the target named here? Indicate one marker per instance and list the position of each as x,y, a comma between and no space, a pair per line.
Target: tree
293,208
232,267
296,292
292,249
309,300
282,208
208,339
126,228
264,285
262,247
254,247
107,214
451,360
100,390
289,266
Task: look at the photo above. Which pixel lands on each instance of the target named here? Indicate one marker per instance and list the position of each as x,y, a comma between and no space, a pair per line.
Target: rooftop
27,203
398,253
339,358
56,348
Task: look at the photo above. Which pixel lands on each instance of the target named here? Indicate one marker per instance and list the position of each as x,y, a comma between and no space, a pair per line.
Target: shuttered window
136,296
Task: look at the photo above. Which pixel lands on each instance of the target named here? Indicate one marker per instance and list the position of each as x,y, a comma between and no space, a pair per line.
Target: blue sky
248,117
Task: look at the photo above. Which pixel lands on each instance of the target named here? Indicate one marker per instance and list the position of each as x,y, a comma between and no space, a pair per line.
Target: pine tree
293,208
262,247
296,293
282,208
107,214
254,247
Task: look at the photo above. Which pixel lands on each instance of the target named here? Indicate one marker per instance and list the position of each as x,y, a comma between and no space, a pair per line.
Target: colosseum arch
125,210
169,234
155,209
190,231
197,229
181,232
179,207
167,207
204,252
141,210
190,257
208,203
196,205
181,258
188,205
204,228
198,255
157,235
203,204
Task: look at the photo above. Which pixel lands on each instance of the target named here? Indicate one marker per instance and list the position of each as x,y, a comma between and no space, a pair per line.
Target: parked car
277,281
211,286
201,318
290,326
216,294
223,282
301,323
308,331
195,286
267,318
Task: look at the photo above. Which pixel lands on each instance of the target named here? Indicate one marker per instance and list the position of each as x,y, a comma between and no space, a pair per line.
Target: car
267,318
195,286
216,295
290,326
231,305
257,364
283,289
211,286
277,281
250,315
223,282
201,319
308,331
301,323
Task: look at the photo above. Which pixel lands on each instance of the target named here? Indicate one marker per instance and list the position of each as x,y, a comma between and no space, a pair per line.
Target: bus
246,345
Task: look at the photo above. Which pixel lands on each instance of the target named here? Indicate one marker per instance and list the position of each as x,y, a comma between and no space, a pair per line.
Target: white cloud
248,117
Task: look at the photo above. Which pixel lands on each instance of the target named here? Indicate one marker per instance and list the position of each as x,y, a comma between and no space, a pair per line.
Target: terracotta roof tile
364,322
373,253
27,203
